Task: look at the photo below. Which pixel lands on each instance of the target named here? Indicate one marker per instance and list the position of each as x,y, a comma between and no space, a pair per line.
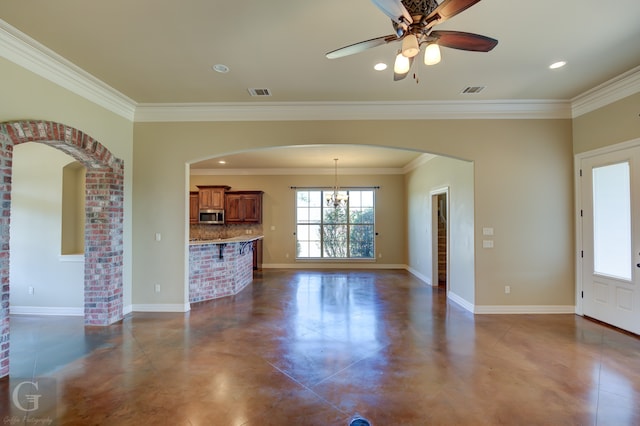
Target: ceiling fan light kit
410,47
402,64
432,54
413,22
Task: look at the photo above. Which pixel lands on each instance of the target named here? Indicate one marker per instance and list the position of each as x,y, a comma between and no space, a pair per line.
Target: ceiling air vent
260,92
472,90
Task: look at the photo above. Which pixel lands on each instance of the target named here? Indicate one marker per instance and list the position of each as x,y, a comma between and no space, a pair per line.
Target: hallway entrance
440,237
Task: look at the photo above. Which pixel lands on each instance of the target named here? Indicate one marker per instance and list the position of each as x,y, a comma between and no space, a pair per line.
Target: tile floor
316,348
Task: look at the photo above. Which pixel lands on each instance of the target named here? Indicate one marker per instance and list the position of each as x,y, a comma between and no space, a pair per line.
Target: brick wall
211,277
104,207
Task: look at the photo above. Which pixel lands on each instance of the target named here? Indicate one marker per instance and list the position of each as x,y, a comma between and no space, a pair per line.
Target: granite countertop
239,239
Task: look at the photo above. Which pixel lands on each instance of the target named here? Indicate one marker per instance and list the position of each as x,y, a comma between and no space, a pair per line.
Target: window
612,221
329,232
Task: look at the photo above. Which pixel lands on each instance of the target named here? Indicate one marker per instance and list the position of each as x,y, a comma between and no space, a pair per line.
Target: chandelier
337,198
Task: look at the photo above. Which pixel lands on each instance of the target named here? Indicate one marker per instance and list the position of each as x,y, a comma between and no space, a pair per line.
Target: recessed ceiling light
558,64
221,68
222,162
381,66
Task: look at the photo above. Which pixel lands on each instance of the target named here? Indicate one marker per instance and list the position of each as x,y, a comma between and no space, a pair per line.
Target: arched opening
104,214
403,203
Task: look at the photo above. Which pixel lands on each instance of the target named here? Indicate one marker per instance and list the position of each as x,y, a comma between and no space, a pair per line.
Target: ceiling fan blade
395,10
448,9
464,41
361,46
398,76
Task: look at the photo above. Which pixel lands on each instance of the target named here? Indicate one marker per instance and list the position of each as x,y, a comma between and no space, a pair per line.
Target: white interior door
610,236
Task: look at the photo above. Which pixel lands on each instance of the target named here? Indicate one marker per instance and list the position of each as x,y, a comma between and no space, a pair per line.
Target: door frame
633,143
433,194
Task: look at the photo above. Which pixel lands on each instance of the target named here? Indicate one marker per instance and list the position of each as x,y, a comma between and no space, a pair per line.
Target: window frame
322,224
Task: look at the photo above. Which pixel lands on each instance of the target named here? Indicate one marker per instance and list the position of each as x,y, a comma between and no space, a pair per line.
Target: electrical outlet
31,290
507,289
157,288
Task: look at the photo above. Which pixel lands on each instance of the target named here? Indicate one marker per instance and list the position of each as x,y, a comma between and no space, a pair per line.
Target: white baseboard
460,301
324,265
46,310
419,275
76,258
161,308
525,309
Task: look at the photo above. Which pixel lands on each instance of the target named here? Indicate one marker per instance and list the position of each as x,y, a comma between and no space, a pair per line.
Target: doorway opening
104,215
608,231
440,238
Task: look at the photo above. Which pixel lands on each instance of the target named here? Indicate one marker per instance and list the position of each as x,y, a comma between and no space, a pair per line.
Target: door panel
611,244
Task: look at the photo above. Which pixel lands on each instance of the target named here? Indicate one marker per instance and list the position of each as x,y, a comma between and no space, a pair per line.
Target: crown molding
22,50
295,171
422,159
617,88
296,111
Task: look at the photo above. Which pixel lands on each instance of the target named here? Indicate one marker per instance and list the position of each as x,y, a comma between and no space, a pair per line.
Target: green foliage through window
325,231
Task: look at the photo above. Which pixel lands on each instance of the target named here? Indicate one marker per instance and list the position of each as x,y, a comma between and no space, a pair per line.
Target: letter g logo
32,400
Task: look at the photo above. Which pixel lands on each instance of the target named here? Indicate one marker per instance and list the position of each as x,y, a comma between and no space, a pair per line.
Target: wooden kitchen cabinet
194,207
211,197
243,207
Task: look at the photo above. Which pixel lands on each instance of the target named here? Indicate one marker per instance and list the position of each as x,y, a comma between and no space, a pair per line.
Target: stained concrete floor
318,347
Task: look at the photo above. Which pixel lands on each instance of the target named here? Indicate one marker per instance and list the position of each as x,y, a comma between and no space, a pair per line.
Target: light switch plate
487,243
487,231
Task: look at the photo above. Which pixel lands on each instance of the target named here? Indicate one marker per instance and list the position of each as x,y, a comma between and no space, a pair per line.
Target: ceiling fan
413,22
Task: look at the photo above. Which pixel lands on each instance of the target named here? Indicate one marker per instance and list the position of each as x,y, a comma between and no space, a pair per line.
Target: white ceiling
301,159
163,51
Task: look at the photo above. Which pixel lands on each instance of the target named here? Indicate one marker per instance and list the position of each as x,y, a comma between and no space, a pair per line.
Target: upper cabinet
193,207
211,197
243,207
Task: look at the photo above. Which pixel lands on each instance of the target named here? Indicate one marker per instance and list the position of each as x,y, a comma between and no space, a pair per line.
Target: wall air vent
472,90
260,92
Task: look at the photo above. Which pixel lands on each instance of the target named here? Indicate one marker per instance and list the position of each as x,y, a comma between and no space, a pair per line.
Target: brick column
6,155
103,298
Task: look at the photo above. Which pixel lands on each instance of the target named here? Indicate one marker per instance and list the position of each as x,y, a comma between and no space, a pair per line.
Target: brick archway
104,198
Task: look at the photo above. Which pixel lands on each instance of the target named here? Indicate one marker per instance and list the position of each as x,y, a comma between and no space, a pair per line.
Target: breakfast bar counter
220,267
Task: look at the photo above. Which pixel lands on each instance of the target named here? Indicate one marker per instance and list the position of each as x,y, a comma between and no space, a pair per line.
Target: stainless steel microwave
212,216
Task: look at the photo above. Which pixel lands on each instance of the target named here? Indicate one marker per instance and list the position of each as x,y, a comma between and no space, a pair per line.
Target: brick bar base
211,277
104,205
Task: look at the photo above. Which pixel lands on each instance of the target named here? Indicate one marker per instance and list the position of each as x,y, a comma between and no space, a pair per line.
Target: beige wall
457,177
26,96
522,181
73,211
279,212
36,233
522,188
615,123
